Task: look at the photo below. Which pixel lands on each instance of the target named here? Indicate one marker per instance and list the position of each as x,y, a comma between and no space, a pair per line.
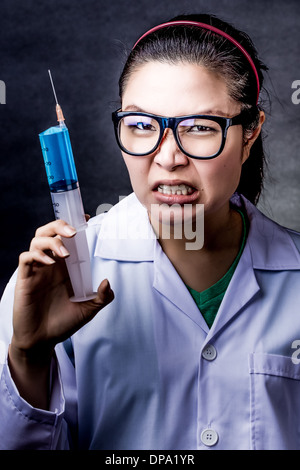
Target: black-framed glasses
197,136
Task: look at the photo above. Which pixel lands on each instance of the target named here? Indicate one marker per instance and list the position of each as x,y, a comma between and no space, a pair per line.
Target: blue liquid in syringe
61,185
58,158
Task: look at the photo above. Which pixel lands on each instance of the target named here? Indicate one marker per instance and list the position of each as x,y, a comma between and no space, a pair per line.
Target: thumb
105,294
90,308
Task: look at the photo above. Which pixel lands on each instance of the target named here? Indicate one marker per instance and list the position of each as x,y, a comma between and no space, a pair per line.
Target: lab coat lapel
170,285
242,288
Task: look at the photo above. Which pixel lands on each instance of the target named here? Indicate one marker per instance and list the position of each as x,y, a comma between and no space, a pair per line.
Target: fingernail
69,230
48,260
63,250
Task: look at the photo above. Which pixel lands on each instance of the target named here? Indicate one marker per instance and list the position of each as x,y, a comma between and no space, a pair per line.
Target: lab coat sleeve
21,425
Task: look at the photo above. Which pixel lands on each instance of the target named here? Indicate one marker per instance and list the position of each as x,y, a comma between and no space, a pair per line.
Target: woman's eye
137,125
197,131
198,127
144,126
201,129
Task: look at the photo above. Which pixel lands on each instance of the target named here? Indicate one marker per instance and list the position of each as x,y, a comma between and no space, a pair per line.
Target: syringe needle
52,86
59,113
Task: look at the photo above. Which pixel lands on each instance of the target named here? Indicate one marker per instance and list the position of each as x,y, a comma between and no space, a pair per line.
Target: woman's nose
168,155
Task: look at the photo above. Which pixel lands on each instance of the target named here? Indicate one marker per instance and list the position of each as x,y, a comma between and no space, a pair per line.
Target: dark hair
196,45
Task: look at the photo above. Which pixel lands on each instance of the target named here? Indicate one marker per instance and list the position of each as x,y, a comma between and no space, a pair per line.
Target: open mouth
178,189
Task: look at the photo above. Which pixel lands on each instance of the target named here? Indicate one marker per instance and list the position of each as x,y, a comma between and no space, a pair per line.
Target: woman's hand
43,314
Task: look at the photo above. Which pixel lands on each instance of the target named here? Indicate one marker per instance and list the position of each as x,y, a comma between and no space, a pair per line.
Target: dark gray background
83,44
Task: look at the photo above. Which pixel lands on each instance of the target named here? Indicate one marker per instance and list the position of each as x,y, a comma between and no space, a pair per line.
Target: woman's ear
251,136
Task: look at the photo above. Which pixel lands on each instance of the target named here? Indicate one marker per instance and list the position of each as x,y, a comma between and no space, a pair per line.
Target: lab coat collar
127,223
270,246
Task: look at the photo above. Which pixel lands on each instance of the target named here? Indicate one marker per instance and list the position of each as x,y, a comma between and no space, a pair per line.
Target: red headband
210,28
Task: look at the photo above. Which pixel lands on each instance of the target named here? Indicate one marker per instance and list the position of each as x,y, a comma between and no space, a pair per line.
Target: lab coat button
209,352
209,437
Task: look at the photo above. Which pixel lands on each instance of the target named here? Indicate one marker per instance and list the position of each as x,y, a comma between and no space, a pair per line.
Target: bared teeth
179,189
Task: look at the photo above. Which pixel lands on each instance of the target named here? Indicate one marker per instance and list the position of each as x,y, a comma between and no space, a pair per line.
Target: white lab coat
149,374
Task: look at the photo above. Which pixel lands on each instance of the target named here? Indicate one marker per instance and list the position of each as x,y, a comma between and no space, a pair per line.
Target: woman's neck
200,267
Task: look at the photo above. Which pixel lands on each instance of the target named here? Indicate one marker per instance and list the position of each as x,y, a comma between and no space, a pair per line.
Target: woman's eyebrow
211,112
214,112
133,107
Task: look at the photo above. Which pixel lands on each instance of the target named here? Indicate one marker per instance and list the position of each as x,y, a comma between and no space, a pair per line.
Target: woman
196,348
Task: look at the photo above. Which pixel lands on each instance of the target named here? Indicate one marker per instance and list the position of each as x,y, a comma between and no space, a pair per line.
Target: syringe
67,202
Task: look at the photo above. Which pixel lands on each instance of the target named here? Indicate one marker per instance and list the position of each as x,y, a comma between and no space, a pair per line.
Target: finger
54,245
30,257
57,227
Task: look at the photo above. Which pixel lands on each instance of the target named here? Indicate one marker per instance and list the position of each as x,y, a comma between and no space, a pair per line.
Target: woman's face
176,90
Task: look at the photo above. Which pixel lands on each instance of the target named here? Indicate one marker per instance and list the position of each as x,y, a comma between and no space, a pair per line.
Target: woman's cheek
138,170
223,177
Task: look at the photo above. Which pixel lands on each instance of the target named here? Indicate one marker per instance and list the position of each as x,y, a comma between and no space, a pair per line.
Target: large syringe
67,202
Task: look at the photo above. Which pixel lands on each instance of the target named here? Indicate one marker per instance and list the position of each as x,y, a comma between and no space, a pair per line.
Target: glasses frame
172,123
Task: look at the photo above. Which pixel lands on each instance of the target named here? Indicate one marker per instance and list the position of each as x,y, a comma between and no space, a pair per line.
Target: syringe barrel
58,158
67,205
